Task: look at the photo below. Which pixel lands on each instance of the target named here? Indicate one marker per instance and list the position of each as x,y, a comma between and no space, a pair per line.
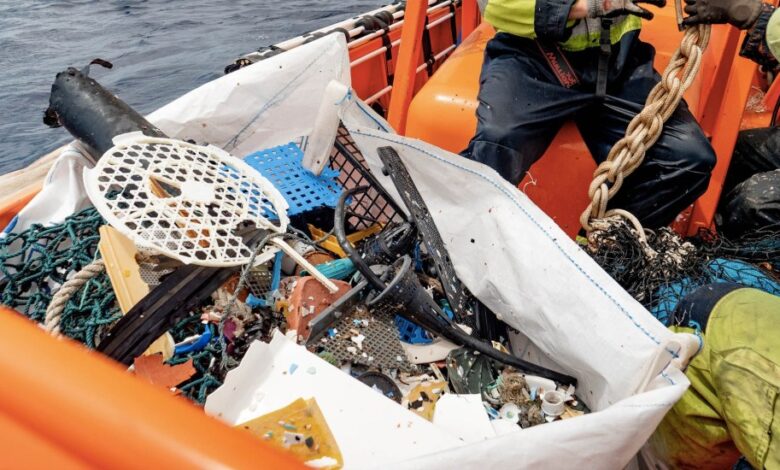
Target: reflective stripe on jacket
548,20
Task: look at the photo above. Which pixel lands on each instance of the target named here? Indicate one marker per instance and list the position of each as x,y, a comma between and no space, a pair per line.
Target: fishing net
682,265
204,381
36,262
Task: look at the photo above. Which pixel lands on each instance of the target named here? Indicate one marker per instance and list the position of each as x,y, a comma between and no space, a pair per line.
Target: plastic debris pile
365,334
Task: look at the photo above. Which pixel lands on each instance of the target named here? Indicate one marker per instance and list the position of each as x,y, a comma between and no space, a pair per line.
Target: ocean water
160,49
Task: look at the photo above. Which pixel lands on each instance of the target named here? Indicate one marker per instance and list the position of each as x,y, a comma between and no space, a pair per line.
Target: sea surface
160,50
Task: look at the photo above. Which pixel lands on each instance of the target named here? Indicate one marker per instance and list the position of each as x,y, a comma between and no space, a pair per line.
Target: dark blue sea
160,49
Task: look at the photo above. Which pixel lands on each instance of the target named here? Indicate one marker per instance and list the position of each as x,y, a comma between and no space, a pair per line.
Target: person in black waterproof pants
558,60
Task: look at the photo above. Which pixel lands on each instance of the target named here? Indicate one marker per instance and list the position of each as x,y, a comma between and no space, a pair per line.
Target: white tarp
571,314
263,105
62,192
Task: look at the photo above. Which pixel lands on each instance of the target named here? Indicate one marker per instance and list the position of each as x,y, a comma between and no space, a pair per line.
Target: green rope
36,262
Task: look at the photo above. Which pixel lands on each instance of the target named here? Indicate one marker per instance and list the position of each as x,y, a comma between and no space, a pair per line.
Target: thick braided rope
70,287
645,129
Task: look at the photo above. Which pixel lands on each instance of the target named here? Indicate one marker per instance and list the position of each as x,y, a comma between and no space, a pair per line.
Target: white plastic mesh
185,201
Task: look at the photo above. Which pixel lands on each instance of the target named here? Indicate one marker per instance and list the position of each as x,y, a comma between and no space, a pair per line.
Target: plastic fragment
331,244
510,412
255,302
382,384
464,417
553,403
422,398
307,299
152,369
308,439
469,372
358,339
571,413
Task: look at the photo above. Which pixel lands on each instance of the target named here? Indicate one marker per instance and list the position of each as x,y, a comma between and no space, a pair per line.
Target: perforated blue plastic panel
303,191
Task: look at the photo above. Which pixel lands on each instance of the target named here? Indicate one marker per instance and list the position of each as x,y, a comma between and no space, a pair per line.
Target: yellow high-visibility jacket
548,20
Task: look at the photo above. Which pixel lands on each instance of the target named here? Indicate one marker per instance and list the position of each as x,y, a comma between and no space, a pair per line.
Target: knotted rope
643,131
70,287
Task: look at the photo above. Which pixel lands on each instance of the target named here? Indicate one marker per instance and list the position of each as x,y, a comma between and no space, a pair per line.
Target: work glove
612,8
740,13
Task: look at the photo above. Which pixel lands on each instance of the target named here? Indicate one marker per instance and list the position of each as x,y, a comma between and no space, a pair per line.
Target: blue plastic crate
304,191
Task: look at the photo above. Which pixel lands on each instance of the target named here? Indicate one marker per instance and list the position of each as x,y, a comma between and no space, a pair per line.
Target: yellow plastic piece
433,391
301,429
332,244
118,253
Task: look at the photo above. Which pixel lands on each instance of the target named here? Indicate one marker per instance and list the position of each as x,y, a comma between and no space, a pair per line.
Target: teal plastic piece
338,269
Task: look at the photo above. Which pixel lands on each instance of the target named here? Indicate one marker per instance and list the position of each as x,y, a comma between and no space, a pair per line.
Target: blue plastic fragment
255,302
417,255
276,272
413,334
10,227
196,345
445,307
302,190
331,333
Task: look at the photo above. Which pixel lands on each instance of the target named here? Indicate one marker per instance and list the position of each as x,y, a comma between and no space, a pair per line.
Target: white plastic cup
553,403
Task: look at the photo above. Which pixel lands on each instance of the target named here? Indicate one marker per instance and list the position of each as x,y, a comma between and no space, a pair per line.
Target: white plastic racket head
185,201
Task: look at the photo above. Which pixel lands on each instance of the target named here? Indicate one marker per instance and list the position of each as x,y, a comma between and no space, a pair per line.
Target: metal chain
643,131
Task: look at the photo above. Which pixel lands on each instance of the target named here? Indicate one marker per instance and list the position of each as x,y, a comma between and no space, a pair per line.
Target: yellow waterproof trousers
732,407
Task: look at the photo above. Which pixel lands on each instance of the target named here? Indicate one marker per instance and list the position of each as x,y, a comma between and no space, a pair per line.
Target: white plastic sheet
62,193
263,105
